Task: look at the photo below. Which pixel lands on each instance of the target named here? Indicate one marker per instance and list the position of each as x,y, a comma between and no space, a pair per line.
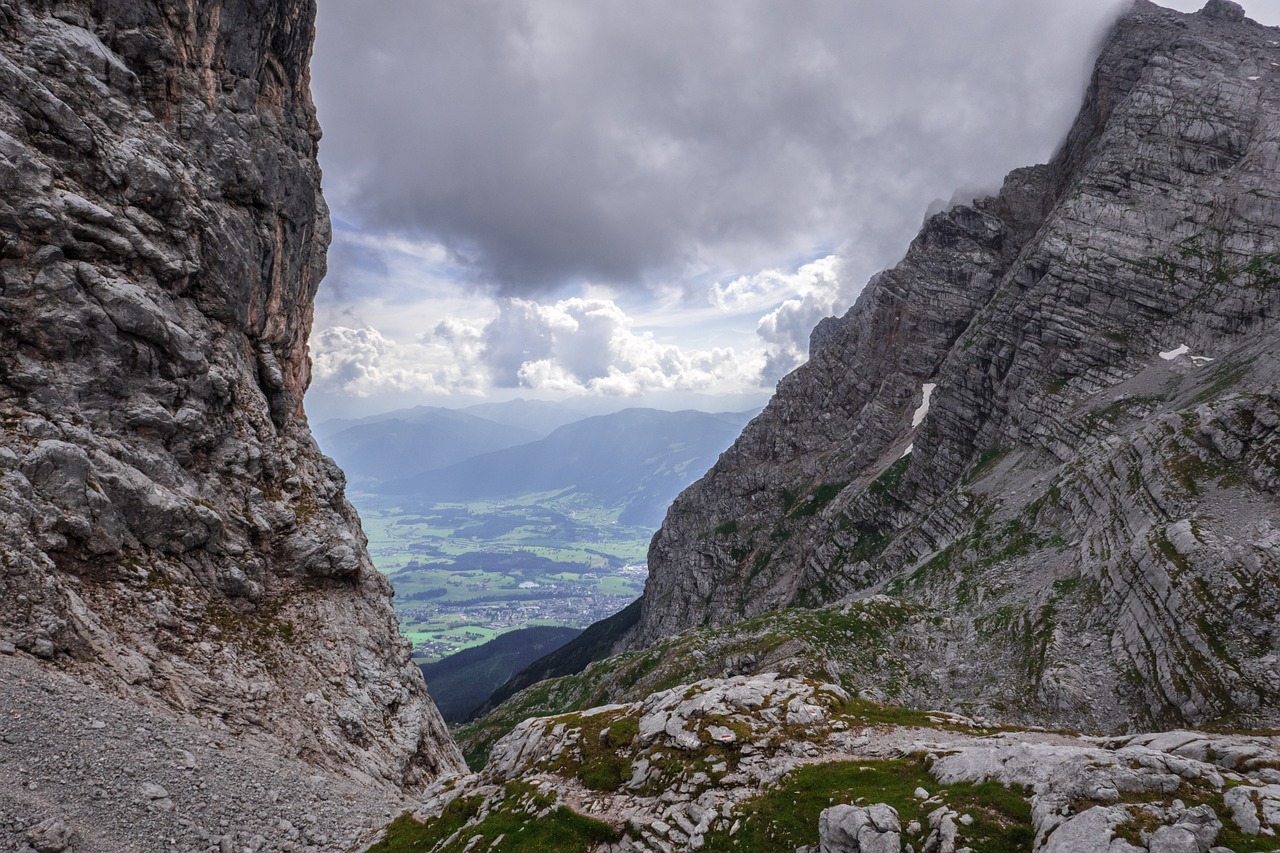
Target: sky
652,202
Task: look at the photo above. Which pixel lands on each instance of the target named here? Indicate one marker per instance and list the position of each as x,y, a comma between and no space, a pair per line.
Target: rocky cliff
1050,432
169,530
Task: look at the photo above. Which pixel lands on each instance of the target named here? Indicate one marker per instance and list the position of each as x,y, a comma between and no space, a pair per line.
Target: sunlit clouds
616,199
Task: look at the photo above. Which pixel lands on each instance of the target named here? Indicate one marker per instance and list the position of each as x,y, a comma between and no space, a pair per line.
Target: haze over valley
504,516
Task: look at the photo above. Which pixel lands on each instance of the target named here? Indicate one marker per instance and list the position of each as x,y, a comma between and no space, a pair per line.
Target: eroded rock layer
167,525
1053,426
767,763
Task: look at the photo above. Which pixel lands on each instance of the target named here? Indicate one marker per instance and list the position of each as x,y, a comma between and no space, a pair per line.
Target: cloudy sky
651,201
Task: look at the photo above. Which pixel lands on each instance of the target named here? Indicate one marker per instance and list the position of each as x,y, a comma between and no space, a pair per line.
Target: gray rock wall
1088,507
167,526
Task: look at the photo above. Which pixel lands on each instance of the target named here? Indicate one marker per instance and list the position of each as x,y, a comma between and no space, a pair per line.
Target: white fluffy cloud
350,360
363,362
586,346
590,345
794,303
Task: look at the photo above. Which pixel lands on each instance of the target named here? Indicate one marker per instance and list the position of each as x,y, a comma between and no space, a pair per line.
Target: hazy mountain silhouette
638,458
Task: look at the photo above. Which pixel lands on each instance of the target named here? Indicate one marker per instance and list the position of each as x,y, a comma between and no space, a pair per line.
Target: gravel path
124,778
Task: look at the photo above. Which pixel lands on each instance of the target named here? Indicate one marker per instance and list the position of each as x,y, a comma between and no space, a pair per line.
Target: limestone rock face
168,527
1053,424
768,762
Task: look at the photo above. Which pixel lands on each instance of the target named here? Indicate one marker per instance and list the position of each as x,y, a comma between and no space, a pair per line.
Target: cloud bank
515,182
574,346
547,142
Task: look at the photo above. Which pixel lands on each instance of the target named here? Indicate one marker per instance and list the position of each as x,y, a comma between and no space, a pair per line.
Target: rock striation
1052,429
170,531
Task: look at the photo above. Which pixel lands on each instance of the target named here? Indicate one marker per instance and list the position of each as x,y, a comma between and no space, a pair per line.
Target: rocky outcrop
1053,426
768,763
170,531
859,829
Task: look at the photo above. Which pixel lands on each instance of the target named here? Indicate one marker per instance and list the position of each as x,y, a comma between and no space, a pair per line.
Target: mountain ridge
377,450
639,457
1051,321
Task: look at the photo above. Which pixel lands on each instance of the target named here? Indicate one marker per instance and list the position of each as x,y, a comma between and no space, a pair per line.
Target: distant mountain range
639,459
419,439
408,441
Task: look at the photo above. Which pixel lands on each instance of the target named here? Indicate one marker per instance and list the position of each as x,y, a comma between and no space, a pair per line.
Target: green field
466,572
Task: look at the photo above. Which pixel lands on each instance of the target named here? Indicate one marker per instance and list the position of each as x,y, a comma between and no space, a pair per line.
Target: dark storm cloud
544,141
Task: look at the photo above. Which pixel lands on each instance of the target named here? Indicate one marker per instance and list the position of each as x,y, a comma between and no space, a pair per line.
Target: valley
465,573
484,527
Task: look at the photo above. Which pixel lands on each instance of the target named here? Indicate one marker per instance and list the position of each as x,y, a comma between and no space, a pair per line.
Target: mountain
1051,431
1030,480
462,681
637,457
172,536
415,440
539,416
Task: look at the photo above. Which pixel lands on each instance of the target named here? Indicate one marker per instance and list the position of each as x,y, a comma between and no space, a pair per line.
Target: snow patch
1197,360
926,392
908,450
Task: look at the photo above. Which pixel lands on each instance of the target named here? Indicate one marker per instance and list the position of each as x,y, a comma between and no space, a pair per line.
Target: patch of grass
1054,386
938,566
758,564
409,835
789,499
869,545
1224,379
1067,585
787,817
258,630
729,528
821,496
1140,822
157,579
1165,547
524,820
1189,470
986,460
604,744
886,485
869,713
1110,415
